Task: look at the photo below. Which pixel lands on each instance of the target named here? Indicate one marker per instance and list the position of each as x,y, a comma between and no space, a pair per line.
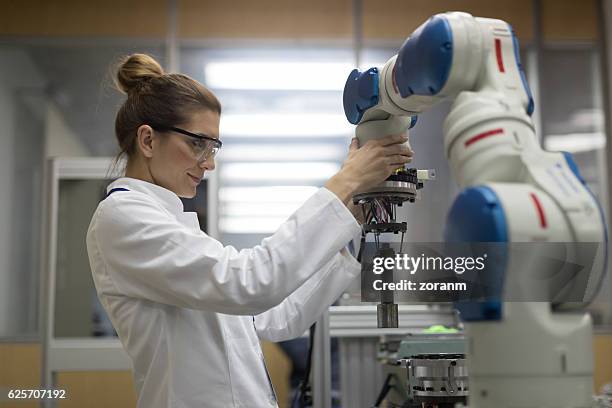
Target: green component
450,343
438,328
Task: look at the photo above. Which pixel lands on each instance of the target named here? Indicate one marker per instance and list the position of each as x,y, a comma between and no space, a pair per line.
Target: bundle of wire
377,211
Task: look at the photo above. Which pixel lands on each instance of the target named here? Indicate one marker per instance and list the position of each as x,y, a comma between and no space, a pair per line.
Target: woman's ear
144,140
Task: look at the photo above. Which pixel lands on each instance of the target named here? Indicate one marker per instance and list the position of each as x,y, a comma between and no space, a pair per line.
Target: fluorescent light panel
279,171
275,152
284,125
277,75
575,142
250,225
241,209
262,195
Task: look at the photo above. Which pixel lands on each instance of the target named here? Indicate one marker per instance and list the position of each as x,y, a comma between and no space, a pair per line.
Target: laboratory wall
33,129
21,152
560,20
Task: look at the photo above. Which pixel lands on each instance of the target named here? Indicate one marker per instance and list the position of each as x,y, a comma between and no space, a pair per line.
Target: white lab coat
190,311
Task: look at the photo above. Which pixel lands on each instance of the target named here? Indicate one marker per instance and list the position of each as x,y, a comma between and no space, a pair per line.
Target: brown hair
155,98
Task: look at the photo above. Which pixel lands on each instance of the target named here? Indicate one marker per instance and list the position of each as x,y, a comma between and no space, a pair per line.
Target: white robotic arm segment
448,54
455,52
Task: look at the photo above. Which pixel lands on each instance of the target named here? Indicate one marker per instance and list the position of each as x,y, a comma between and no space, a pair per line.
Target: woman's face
175,165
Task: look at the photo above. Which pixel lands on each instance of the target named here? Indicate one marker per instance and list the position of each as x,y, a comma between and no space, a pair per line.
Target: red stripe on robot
539,209
484,135
498,52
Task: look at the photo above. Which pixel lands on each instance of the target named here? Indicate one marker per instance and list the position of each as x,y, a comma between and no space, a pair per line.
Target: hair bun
134,69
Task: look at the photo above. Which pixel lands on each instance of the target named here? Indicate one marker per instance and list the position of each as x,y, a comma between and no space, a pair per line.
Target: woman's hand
369,165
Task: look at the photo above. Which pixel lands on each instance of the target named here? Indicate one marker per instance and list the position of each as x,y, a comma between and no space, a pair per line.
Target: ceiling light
250,225
277,194
285,125
279,171
575,142
286,152
271,75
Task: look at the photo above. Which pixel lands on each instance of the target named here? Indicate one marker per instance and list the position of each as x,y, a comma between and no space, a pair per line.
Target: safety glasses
203,147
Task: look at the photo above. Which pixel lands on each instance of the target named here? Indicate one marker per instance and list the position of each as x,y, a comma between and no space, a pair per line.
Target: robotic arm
512,191
449,54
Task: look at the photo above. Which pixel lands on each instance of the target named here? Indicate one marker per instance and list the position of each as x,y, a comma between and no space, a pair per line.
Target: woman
189,311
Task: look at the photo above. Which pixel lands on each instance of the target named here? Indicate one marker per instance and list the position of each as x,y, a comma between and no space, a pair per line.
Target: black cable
363,212
368,217
302,395
384,391
361,245
389,209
